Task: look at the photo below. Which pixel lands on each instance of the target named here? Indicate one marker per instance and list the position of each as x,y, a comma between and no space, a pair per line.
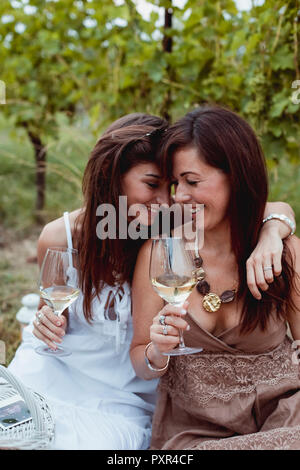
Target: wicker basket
35,434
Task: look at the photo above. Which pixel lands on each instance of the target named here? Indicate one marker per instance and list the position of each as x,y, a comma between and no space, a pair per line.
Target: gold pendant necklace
211,302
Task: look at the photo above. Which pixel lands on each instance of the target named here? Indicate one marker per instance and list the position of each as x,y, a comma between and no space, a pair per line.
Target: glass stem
57,312
181,341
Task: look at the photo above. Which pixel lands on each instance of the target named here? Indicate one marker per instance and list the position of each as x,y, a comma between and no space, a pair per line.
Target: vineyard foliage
97,60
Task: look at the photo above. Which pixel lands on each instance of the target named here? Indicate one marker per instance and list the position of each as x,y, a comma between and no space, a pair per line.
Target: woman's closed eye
190,182
152,185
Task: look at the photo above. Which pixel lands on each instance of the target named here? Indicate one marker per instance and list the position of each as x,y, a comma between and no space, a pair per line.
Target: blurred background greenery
72,67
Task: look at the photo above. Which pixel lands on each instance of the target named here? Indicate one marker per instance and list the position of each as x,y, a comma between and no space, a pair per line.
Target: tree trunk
167,40
167,43
40,180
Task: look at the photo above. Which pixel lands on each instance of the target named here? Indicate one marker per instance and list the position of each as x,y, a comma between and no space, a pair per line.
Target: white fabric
96,398
68,230
69,237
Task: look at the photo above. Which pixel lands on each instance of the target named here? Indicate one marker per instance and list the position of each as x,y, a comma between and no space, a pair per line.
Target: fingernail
58,323
183,311
63,333
188,328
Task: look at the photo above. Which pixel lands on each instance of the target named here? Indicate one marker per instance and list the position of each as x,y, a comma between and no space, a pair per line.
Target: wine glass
58,285
172,278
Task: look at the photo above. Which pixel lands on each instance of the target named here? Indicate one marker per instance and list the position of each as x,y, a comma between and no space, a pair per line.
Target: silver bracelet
283,218
148,362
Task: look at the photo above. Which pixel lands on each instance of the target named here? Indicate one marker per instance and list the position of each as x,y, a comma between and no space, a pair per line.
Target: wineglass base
182,351
59,352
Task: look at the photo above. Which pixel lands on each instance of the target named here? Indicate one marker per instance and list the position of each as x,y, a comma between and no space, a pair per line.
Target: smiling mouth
152,210
155,210
198,209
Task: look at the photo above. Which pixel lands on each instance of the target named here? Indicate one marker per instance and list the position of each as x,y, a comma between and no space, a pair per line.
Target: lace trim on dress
197,379
276,439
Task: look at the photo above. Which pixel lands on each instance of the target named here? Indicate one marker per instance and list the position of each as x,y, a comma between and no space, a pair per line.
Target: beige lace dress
241,392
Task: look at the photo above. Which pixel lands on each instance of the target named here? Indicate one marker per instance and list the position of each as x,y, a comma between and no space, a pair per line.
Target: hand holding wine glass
49,328
58,284
172,276
174,322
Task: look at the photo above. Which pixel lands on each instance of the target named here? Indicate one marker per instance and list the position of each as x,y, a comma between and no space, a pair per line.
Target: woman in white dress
97,400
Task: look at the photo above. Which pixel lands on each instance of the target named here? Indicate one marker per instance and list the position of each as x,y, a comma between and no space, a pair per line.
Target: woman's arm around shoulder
282,208
268,251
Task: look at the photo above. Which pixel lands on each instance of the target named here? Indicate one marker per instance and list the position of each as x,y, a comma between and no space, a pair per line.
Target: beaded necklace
211,302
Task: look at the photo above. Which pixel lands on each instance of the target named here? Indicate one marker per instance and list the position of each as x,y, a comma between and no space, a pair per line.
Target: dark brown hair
225,141
129,141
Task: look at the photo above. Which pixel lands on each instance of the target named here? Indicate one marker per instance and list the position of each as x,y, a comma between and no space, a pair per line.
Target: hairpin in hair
155,132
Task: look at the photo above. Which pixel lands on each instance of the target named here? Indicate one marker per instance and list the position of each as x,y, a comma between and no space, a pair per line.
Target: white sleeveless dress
96,399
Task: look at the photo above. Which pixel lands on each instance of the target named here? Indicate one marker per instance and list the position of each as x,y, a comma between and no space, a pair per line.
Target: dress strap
68,230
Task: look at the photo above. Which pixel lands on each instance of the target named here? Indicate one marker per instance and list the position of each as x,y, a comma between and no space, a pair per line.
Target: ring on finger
268,268
40,316
162,319
165,330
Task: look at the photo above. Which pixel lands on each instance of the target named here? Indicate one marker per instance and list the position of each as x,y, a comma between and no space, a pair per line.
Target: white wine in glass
58,285
172,288
172,278
59,297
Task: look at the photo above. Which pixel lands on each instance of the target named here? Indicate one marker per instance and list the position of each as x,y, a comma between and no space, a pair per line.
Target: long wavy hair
129,141
225,141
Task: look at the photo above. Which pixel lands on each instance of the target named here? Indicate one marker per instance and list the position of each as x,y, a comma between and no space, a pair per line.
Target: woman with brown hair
97,400
242,391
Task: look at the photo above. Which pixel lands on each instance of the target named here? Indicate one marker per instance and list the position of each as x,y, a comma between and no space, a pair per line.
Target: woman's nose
181,196
163,197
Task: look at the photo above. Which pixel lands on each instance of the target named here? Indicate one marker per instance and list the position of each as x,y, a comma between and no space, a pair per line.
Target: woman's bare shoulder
54,233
